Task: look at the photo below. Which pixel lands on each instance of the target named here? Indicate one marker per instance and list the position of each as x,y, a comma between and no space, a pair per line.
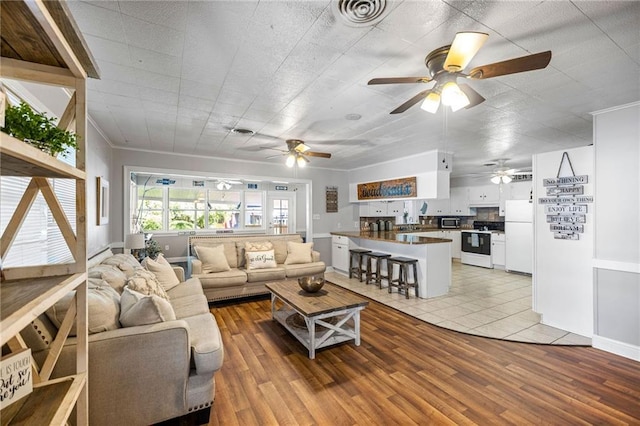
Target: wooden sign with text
396,188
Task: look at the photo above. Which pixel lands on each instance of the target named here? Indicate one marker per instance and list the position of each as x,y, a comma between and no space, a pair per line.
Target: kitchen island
433,255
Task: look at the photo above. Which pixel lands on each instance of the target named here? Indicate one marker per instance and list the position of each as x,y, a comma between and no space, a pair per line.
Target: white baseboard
619,348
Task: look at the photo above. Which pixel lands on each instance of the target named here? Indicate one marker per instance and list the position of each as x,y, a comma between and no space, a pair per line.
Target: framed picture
103,201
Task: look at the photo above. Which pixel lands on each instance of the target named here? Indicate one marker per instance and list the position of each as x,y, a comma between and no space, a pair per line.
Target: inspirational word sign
565,204
15,377
396,188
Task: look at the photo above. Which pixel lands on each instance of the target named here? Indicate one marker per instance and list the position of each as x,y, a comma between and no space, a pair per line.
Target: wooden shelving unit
41,44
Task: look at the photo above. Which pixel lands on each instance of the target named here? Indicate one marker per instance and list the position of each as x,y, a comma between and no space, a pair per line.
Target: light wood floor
408,372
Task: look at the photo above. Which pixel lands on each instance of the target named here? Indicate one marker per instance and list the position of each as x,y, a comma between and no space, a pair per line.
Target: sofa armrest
196,266
315,256
128,367
179,271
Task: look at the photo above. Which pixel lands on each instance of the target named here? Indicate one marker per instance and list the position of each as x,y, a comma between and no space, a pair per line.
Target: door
281,213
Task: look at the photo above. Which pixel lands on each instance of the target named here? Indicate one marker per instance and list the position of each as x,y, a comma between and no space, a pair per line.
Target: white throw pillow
298,253
145,282
213,258
103,306
163,271
261,259
139,309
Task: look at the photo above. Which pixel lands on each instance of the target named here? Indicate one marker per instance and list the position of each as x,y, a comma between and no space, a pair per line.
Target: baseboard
619,348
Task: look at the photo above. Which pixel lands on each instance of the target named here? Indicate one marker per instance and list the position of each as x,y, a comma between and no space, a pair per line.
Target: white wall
99,154
563,279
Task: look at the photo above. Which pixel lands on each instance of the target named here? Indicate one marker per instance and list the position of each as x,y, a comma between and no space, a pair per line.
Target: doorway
281,213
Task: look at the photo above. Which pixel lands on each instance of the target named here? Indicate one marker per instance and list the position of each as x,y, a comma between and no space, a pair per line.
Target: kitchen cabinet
340,253
460,202
485,195
438,207
382,208
498,250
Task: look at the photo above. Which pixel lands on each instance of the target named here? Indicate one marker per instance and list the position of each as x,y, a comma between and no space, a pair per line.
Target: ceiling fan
225,184
504,174
297,153
447,63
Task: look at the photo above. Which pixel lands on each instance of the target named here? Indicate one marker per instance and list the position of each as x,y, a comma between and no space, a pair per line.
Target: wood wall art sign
15,377
396,188
331,194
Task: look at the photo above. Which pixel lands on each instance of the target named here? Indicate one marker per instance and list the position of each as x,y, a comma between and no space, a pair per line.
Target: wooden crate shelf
18,158
50,403
22,301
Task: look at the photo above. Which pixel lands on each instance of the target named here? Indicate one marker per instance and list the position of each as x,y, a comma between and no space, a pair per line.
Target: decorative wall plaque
396,188
565,204
331,194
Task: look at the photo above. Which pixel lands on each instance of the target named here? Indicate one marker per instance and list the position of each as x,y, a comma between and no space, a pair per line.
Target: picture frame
102,196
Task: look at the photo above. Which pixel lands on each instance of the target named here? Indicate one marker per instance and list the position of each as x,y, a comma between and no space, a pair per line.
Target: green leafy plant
153,248
35,128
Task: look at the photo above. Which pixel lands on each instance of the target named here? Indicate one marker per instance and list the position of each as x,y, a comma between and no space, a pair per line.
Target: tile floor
484,302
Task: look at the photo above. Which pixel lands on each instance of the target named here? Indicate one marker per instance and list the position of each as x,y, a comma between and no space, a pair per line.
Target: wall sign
281,188
396,188
15,377
565,205
331,195
165,181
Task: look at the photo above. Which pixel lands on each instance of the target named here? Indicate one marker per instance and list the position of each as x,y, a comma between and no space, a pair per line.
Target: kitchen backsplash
485,214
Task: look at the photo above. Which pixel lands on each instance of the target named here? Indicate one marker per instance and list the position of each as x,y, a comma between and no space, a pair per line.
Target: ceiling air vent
361,13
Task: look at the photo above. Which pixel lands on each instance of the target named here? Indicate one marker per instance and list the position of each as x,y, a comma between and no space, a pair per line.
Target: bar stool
402,282
357,255
375,277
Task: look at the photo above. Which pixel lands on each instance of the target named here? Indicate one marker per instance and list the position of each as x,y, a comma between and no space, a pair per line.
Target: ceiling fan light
506,179
301,161
454,97
431,103
495,179
291,160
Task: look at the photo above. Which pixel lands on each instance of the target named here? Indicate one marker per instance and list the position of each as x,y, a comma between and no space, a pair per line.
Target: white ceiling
178,75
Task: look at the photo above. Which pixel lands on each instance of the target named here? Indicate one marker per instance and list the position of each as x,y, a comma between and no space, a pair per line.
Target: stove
481,225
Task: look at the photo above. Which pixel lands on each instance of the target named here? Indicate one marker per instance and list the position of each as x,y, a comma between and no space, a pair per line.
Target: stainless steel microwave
449,222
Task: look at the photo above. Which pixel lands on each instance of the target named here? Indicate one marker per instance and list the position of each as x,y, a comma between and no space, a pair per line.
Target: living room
267,377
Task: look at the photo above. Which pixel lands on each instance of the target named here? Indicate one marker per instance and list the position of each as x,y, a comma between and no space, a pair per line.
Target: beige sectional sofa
160,365
240,265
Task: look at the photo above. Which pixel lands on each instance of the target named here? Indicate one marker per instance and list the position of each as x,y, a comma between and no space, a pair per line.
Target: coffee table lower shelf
346,328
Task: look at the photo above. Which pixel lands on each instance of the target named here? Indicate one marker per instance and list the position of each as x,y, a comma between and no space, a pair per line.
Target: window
186,209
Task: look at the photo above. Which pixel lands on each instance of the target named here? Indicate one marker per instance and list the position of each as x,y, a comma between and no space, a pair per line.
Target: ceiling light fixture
498,179
223,186
291,160
431,102
241,131
302,162
454,97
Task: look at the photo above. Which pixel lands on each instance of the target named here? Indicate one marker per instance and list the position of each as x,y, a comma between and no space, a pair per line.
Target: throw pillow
145,282
298,253
103,306
139,309
261,259
258,245
120,258
213,258
163,271
111,274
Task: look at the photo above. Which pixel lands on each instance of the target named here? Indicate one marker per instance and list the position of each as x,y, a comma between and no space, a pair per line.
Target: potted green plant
36,129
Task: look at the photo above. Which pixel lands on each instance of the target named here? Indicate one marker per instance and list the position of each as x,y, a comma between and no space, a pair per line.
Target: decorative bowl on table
312,283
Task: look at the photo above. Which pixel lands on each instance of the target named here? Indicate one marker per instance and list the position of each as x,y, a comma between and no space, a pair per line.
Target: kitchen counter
400,237
433,255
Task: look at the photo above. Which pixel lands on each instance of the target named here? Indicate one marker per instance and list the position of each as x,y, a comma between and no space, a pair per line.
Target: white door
281,213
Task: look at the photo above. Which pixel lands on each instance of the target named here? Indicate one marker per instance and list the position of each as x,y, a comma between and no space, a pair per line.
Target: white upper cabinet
485,195
382,208
438,207
460,202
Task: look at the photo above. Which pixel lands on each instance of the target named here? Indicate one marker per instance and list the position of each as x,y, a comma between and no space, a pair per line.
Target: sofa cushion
261,259
304,269
187,288
190,305
243,247
207,351
230,278
145,282
111,274
213,258
103,308
163,271
140,309
298,253
280,249
270,274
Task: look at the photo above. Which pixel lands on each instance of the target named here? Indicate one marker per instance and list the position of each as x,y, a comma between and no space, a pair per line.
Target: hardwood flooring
408,372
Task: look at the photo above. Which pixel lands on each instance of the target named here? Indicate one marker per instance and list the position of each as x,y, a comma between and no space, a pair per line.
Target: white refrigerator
518,231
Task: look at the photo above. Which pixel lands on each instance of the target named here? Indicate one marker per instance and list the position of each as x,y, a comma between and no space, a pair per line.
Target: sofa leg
196,418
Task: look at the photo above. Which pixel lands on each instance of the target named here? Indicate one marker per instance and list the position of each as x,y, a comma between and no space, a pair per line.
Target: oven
476,248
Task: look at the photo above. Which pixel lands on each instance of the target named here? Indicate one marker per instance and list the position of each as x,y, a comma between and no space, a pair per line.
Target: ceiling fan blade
317,154
464,47
411,102
511,66
475,98
396,80
274,156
